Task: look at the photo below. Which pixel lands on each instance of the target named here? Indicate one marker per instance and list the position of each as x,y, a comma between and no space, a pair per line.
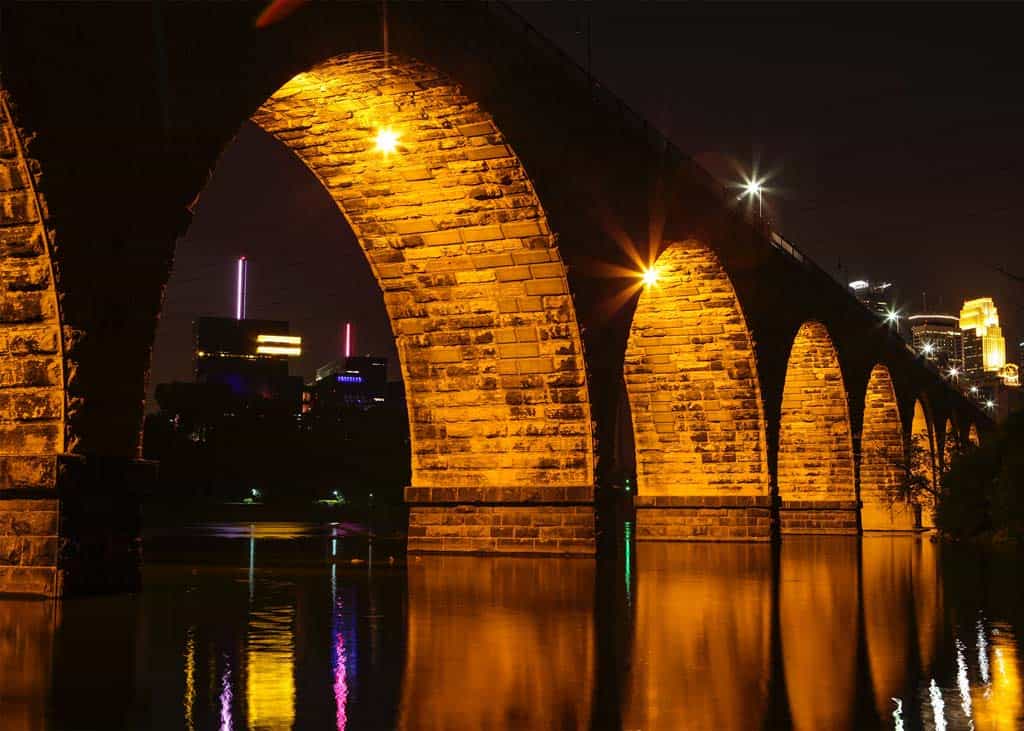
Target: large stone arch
882,458
921,458
950,445
476,292
815,473
32,402
698,422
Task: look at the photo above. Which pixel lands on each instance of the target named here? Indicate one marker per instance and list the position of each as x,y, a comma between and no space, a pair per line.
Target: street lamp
954,372
755,188
990,404
892,317
927,348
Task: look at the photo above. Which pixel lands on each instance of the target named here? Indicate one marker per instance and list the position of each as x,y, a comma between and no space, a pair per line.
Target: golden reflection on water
887,566
26,651
497,643
701,653
818,617
927,599
270,668
999,704
190,679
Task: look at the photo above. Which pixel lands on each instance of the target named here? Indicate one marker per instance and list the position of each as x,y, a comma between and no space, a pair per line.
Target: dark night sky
891,134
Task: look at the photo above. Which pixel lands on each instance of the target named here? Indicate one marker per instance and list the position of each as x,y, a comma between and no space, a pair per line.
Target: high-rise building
983,344
251,358
939,339
879,297
353,382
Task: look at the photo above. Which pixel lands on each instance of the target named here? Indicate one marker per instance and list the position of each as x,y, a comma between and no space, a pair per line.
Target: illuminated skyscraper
939,339
876,296
983,343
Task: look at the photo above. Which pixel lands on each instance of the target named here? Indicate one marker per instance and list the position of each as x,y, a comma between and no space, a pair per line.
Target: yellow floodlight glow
279,339
386,140
278,350
650,277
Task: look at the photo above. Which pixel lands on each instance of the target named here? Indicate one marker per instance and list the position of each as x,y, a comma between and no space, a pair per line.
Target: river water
277,626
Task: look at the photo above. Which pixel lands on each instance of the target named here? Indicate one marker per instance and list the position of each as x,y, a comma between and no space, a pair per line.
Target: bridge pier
70,525
818,517
503,520
703,518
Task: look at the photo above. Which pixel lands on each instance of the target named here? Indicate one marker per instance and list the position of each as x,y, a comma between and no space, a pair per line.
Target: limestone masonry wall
692,383
31,375
881,458
815,446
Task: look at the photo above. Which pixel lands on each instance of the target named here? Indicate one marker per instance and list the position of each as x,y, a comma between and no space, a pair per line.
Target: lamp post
752,188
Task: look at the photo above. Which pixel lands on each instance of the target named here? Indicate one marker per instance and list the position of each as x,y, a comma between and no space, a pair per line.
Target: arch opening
950,445
693,390
815,461
882,459
474,288
921,463
972,435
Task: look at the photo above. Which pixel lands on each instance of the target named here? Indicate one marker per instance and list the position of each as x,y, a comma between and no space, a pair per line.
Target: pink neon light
348,339
240,289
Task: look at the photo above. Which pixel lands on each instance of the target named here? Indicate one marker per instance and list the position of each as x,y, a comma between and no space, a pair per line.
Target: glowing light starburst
650,277
386,140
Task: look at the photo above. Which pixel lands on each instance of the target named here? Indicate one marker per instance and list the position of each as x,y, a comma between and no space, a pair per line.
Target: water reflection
821,633
499,643
887,566
818,608
270,667
702,636
998,703
26,652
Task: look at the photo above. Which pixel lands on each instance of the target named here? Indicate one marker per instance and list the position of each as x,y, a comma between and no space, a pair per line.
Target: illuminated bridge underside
815,462
477,297
693,392
882,451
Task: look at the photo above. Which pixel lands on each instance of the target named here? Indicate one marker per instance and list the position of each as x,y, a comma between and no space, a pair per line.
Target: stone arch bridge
508,232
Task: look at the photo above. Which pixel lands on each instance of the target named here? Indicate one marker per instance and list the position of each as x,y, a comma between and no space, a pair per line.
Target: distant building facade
939,339
358,382
250,358
878,296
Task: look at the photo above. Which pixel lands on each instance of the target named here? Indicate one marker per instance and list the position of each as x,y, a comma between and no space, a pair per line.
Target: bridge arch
692,383
882,455
972,435
921,459
32,401
950,445
472,281
815,464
